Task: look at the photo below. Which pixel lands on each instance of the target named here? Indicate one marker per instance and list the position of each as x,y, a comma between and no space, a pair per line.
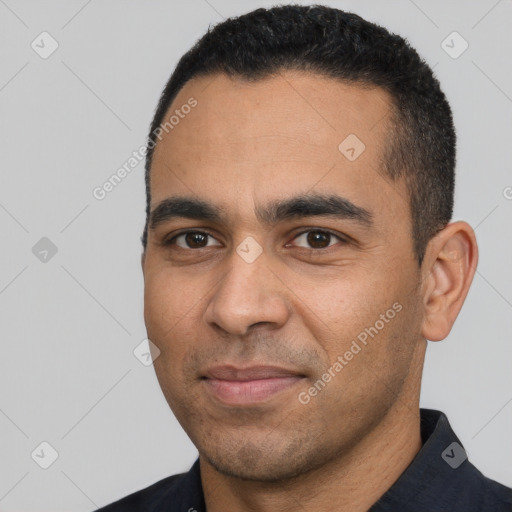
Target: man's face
289,290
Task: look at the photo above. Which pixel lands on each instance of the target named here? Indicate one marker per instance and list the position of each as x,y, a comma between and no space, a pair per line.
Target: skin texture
296,306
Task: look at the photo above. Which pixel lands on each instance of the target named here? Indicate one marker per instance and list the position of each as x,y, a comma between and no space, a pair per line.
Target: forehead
312,109
248,142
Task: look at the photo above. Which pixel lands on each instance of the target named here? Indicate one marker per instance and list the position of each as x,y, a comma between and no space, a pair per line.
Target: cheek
163,310
349,309
166,300
341,307
167,318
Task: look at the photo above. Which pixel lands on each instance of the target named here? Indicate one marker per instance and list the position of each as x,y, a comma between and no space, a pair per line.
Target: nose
248,294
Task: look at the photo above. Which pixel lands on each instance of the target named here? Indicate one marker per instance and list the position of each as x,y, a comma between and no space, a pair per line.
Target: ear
448,269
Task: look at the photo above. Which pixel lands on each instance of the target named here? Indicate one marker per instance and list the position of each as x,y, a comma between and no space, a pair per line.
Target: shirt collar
429,469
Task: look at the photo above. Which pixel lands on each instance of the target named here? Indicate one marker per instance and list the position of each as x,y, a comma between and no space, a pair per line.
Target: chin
254,462
262,472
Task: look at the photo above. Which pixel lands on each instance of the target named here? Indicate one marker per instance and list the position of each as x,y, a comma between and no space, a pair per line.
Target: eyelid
170,240
343,238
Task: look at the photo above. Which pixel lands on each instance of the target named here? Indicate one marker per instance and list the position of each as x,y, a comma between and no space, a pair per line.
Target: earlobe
450,268
142,258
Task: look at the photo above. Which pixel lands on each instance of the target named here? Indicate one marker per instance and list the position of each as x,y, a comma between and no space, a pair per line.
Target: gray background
68,375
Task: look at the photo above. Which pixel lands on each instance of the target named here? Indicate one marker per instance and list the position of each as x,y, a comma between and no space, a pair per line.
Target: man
298,253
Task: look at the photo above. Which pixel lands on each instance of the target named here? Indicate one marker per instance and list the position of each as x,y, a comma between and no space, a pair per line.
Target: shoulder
442,478
149,498
497,497
459,485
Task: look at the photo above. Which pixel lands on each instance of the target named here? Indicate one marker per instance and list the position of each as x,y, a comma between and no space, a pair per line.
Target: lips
228,372
245,386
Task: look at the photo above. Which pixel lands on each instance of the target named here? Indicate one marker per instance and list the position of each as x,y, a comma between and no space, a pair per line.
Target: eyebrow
309,205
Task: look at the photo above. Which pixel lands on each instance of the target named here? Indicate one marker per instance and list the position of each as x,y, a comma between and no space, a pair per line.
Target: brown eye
195,240
317,239
192,240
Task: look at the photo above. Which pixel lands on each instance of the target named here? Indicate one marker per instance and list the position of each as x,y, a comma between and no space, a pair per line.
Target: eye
191,240
310,239
317,239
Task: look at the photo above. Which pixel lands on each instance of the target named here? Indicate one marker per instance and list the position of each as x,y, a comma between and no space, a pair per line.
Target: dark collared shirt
439,479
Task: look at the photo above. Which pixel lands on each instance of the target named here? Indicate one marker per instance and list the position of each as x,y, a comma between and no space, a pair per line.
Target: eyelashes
192,240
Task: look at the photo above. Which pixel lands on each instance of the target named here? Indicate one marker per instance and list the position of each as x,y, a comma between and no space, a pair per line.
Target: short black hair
344,46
